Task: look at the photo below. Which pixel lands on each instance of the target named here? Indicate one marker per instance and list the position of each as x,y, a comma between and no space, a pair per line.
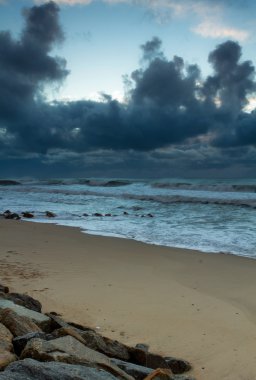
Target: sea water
208,215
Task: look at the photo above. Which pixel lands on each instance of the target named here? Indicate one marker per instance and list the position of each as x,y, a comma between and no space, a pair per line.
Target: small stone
50,214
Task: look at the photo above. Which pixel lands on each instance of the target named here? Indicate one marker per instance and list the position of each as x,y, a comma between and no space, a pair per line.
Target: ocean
207,215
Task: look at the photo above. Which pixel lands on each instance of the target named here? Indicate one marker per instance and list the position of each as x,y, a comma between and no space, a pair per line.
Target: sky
127,88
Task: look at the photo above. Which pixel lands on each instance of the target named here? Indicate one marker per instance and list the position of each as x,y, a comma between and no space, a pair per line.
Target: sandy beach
200,307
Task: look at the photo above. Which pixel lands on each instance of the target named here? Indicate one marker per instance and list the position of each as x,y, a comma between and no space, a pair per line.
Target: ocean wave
220,187
196,200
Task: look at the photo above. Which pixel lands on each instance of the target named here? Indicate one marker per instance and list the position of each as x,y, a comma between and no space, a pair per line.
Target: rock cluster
49,214
41,346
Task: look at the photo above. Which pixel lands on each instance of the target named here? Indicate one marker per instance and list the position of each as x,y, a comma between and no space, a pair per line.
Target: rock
64,331
142,346
137,371
41,320
11,215
108,214
109,347
178,365
147,359
85,214
125,213
154,361
6,358
150,215
4,289
26,301
50,214
20,342
30,369
97,214
28,215
5,338
160,374
69,350
17,324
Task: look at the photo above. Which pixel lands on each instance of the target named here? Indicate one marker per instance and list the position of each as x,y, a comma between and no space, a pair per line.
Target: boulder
11,215
26,301
30,369
50,214
147,359
136,371
28,215
160,374
20,342
69,350
97,214
178,365
109,347
43,321
17,324
5,339
154,361
6,358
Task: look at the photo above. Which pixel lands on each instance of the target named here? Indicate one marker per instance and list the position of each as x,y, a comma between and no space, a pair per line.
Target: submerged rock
28,215
30,369
50,214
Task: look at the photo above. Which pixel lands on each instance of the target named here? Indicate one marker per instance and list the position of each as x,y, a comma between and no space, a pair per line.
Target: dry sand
201,307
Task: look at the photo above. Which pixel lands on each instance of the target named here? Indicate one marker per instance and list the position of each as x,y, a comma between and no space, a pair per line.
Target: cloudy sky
127,88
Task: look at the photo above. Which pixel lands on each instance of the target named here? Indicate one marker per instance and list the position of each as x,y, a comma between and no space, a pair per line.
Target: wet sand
200,307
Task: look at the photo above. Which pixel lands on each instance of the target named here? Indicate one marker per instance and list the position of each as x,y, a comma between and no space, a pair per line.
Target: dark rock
30,369
85,214
28,215
20,342
108,214
109,347
142,346
147,359
50,214
150,215
4,289
137,371
125,213
178,365
154,361
11,215
97,214
69,350
26,301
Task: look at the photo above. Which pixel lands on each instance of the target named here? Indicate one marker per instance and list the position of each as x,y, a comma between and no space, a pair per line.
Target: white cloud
209,28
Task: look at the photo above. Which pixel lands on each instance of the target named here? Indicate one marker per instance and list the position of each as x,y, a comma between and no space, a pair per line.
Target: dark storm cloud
173,117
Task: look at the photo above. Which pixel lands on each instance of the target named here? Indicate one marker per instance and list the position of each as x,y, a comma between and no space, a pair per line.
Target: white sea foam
204,215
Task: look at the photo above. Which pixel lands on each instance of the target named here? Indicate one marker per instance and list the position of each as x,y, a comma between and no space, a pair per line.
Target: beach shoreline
186,303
